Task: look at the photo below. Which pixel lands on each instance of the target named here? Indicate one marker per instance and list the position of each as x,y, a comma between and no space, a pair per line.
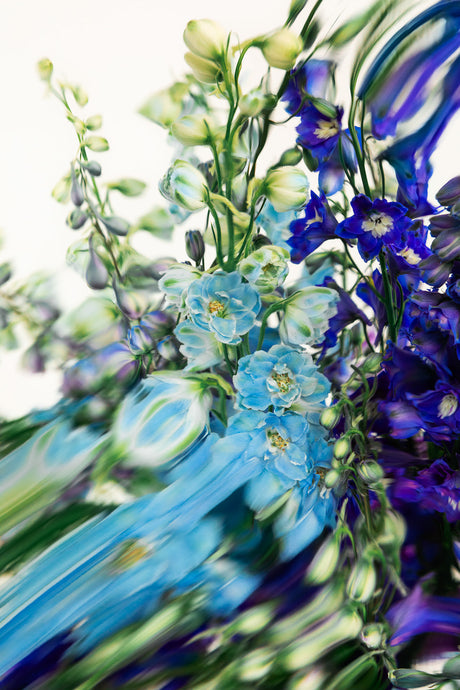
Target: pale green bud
204,70
371,364
332,479
282,48
265,268
373,635
253,620
325,560
370,472
411,678
205,38
45,69
362,581
306,316
185,185
393,532
330,416
255,665
193,130
342,448
286,188
291,157
163,108
252,103
338,628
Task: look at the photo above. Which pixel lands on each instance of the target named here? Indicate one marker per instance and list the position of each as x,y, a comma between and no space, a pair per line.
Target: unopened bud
158,324
373,635
76,193
194,245
371,364
193,130
291,157
252,103
370,472
168,348
449,193
5,273
342,448
205,38
93,167
286,188
332,479
185,185
204,70
97,275
76,219
325,560
260,241
362,581
330,416
282,49
45,69
139,340
410,678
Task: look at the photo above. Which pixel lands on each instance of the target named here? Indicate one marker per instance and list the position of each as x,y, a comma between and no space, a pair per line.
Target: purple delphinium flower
318,132
374,224
311,78
309,232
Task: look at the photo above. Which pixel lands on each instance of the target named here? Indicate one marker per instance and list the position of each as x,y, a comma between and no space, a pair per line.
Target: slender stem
388,297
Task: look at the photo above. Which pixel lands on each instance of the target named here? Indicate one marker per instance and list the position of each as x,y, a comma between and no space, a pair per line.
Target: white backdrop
120,51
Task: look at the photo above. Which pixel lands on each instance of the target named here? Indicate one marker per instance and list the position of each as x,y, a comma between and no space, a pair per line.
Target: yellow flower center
326,129
283,381
378,224
447,406
216,308
276,440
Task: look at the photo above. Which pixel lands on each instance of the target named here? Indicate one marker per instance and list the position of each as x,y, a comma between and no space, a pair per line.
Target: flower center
410,256
447,406
276,440
131,551
378,224
283,381
326,129
216,308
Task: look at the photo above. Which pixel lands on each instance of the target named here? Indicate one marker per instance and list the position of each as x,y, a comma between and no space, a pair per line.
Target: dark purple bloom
332,170
312,78
318,132
375,224
347,313
422,613
309,232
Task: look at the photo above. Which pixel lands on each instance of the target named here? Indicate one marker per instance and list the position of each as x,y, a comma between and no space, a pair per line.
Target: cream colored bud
252,103
282,49
192,130
205,38
204,70
286,188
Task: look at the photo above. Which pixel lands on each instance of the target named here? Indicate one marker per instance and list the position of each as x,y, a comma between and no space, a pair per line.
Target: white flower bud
205,38
204,70
185,185
252,103
193,130
282,49
286,188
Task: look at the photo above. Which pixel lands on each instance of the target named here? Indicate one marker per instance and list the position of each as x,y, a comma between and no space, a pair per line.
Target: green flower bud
373,635
265,268
205,38
291,157
252,103
163,108
411,678
185,185
332,479
362,581
286,188
342,448
97,275
204,70
325,560
306,315
5,273
45,69
76,219
194,245
330,416
282,48
193,130
370,472
371,364
253,620
255,665
393,531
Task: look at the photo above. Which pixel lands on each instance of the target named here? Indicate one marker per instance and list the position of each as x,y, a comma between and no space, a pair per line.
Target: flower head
306,316
223,304
265,268
309,232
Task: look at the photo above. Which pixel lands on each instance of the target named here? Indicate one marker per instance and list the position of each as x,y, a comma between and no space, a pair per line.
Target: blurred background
120,53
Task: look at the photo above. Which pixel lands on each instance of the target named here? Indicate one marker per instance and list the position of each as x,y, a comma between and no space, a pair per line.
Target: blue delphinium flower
223,304
309,232
374,224
200,347
312,78
283,378
318,132
276,225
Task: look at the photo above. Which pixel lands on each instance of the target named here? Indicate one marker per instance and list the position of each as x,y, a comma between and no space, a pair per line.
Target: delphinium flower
306,315
281,378
201,348
223,304
310,231
374,224
265,268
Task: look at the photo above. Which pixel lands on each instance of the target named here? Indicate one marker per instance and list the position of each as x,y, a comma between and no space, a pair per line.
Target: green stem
388,298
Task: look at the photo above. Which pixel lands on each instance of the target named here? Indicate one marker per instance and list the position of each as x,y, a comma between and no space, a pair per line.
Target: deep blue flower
374,224
347,313
309,232
312,78
223,304
318,132
283,378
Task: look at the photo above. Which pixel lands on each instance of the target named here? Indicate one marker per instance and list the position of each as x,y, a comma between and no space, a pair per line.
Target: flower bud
158,324
286,188
97,275
260,241
45,69
371,364
362,581
373,635
76,193
93,167
370,472
185,185
176,281
291,157
342,448
252,103
194,245
204,70
139,340
306,316
265,268
325,560
168,348
205,38
76,219
163,108
282,48
411,678
5,273
449,193
193,130
393,531
330,416
333,478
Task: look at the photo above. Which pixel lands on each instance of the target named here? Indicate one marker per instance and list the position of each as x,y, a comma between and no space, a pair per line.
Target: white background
120,51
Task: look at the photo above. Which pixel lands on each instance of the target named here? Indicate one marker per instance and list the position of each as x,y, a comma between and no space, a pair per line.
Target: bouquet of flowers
252,477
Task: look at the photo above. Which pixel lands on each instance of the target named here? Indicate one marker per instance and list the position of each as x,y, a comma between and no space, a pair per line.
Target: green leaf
61,191
96,143
80,95
159,222
128,186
